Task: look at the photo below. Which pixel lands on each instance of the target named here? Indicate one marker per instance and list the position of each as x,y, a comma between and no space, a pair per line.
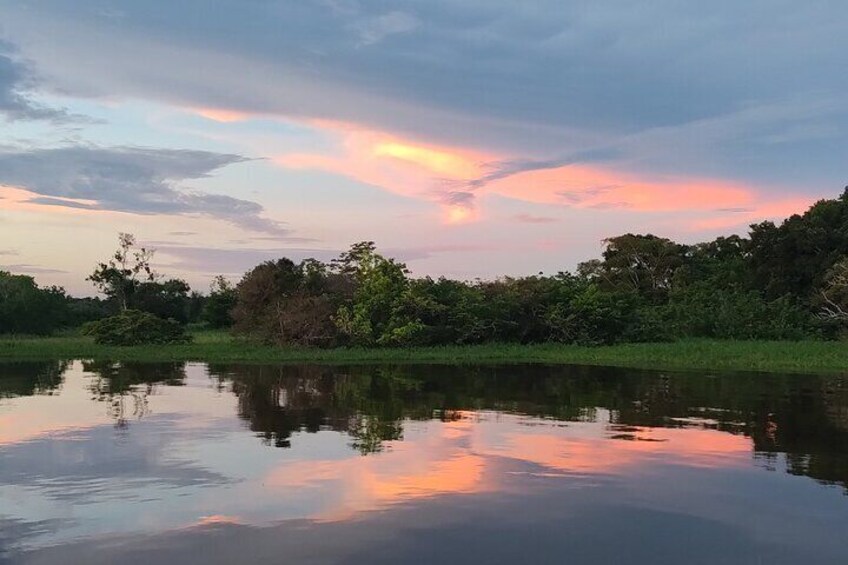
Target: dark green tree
120,276
795,257
218,306
25,308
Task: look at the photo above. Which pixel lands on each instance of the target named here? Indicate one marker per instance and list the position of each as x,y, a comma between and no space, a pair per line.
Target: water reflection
29,378
109,449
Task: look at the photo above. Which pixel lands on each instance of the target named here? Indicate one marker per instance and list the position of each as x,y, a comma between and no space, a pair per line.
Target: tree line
786,281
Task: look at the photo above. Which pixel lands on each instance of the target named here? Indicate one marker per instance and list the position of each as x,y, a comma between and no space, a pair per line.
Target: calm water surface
189,463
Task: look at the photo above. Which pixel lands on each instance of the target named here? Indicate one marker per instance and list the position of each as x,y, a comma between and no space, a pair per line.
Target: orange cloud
583,186
596,455
412,469
441,161
435,172
405,167
18,199
216,520
221,114
464,457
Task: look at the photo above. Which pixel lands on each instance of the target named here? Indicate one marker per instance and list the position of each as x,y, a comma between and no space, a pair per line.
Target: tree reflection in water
31,378
804,417
126,386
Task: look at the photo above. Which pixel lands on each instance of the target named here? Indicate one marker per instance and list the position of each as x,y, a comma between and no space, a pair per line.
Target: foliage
130,283
168,299
377,314
284,302
25,308
450,312
644,264
834,293
786,282
701,310
133,327
795,257
88,309
218,306
217,346
120,276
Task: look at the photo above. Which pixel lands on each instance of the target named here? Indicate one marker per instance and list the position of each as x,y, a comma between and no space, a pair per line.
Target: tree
450,311
376,315
834,294
121,275
168,299
217,309
25,308
795,257
287,303
645,264
129,281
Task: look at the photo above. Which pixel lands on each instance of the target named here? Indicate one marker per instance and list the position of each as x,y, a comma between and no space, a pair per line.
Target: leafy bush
134,327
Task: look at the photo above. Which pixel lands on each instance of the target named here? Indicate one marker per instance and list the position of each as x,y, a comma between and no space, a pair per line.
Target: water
175,463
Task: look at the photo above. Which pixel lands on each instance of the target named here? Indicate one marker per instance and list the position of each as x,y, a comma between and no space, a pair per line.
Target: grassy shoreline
216,347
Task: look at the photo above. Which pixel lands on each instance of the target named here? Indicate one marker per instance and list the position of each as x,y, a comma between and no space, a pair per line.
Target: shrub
133,327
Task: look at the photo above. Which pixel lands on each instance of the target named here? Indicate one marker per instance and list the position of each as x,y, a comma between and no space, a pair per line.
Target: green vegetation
134,327
215,347
786,282
26,308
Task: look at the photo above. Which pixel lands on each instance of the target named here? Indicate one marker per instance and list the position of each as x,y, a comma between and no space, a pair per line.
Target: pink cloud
450,177
759,212
18,199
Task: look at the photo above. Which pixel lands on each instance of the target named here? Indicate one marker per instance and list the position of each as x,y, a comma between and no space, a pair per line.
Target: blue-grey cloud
714,88
16,84
138,180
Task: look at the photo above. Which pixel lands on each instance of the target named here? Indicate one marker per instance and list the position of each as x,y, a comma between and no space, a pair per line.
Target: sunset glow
261,133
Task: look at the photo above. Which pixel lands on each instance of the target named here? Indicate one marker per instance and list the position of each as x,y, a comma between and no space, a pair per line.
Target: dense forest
786,281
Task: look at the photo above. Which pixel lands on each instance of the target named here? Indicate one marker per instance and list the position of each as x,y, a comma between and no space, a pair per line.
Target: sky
471,138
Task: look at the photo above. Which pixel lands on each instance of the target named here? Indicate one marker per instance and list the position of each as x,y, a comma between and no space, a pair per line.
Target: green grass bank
712,355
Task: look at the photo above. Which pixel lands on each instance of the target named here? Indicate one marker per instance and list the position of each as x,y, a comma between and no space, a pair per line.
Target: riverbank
219,347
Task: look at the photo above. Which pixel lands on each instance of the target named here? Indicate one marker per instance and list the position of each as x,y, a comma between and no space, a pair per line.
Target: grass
209,346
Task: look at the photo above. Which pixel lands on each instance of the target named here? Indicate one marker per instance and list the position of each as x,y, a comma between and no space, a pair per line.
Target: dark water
174,463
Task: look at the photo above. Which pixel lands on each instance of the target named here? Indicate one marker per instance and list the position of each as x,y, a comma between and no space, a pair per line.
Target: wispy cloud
531,219
26,269
137,180
17,81
373,29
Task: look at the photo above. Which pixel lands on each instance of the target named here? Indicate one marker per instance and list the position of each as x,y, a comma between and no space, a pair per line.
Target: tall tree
120,276
795,257
645,264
